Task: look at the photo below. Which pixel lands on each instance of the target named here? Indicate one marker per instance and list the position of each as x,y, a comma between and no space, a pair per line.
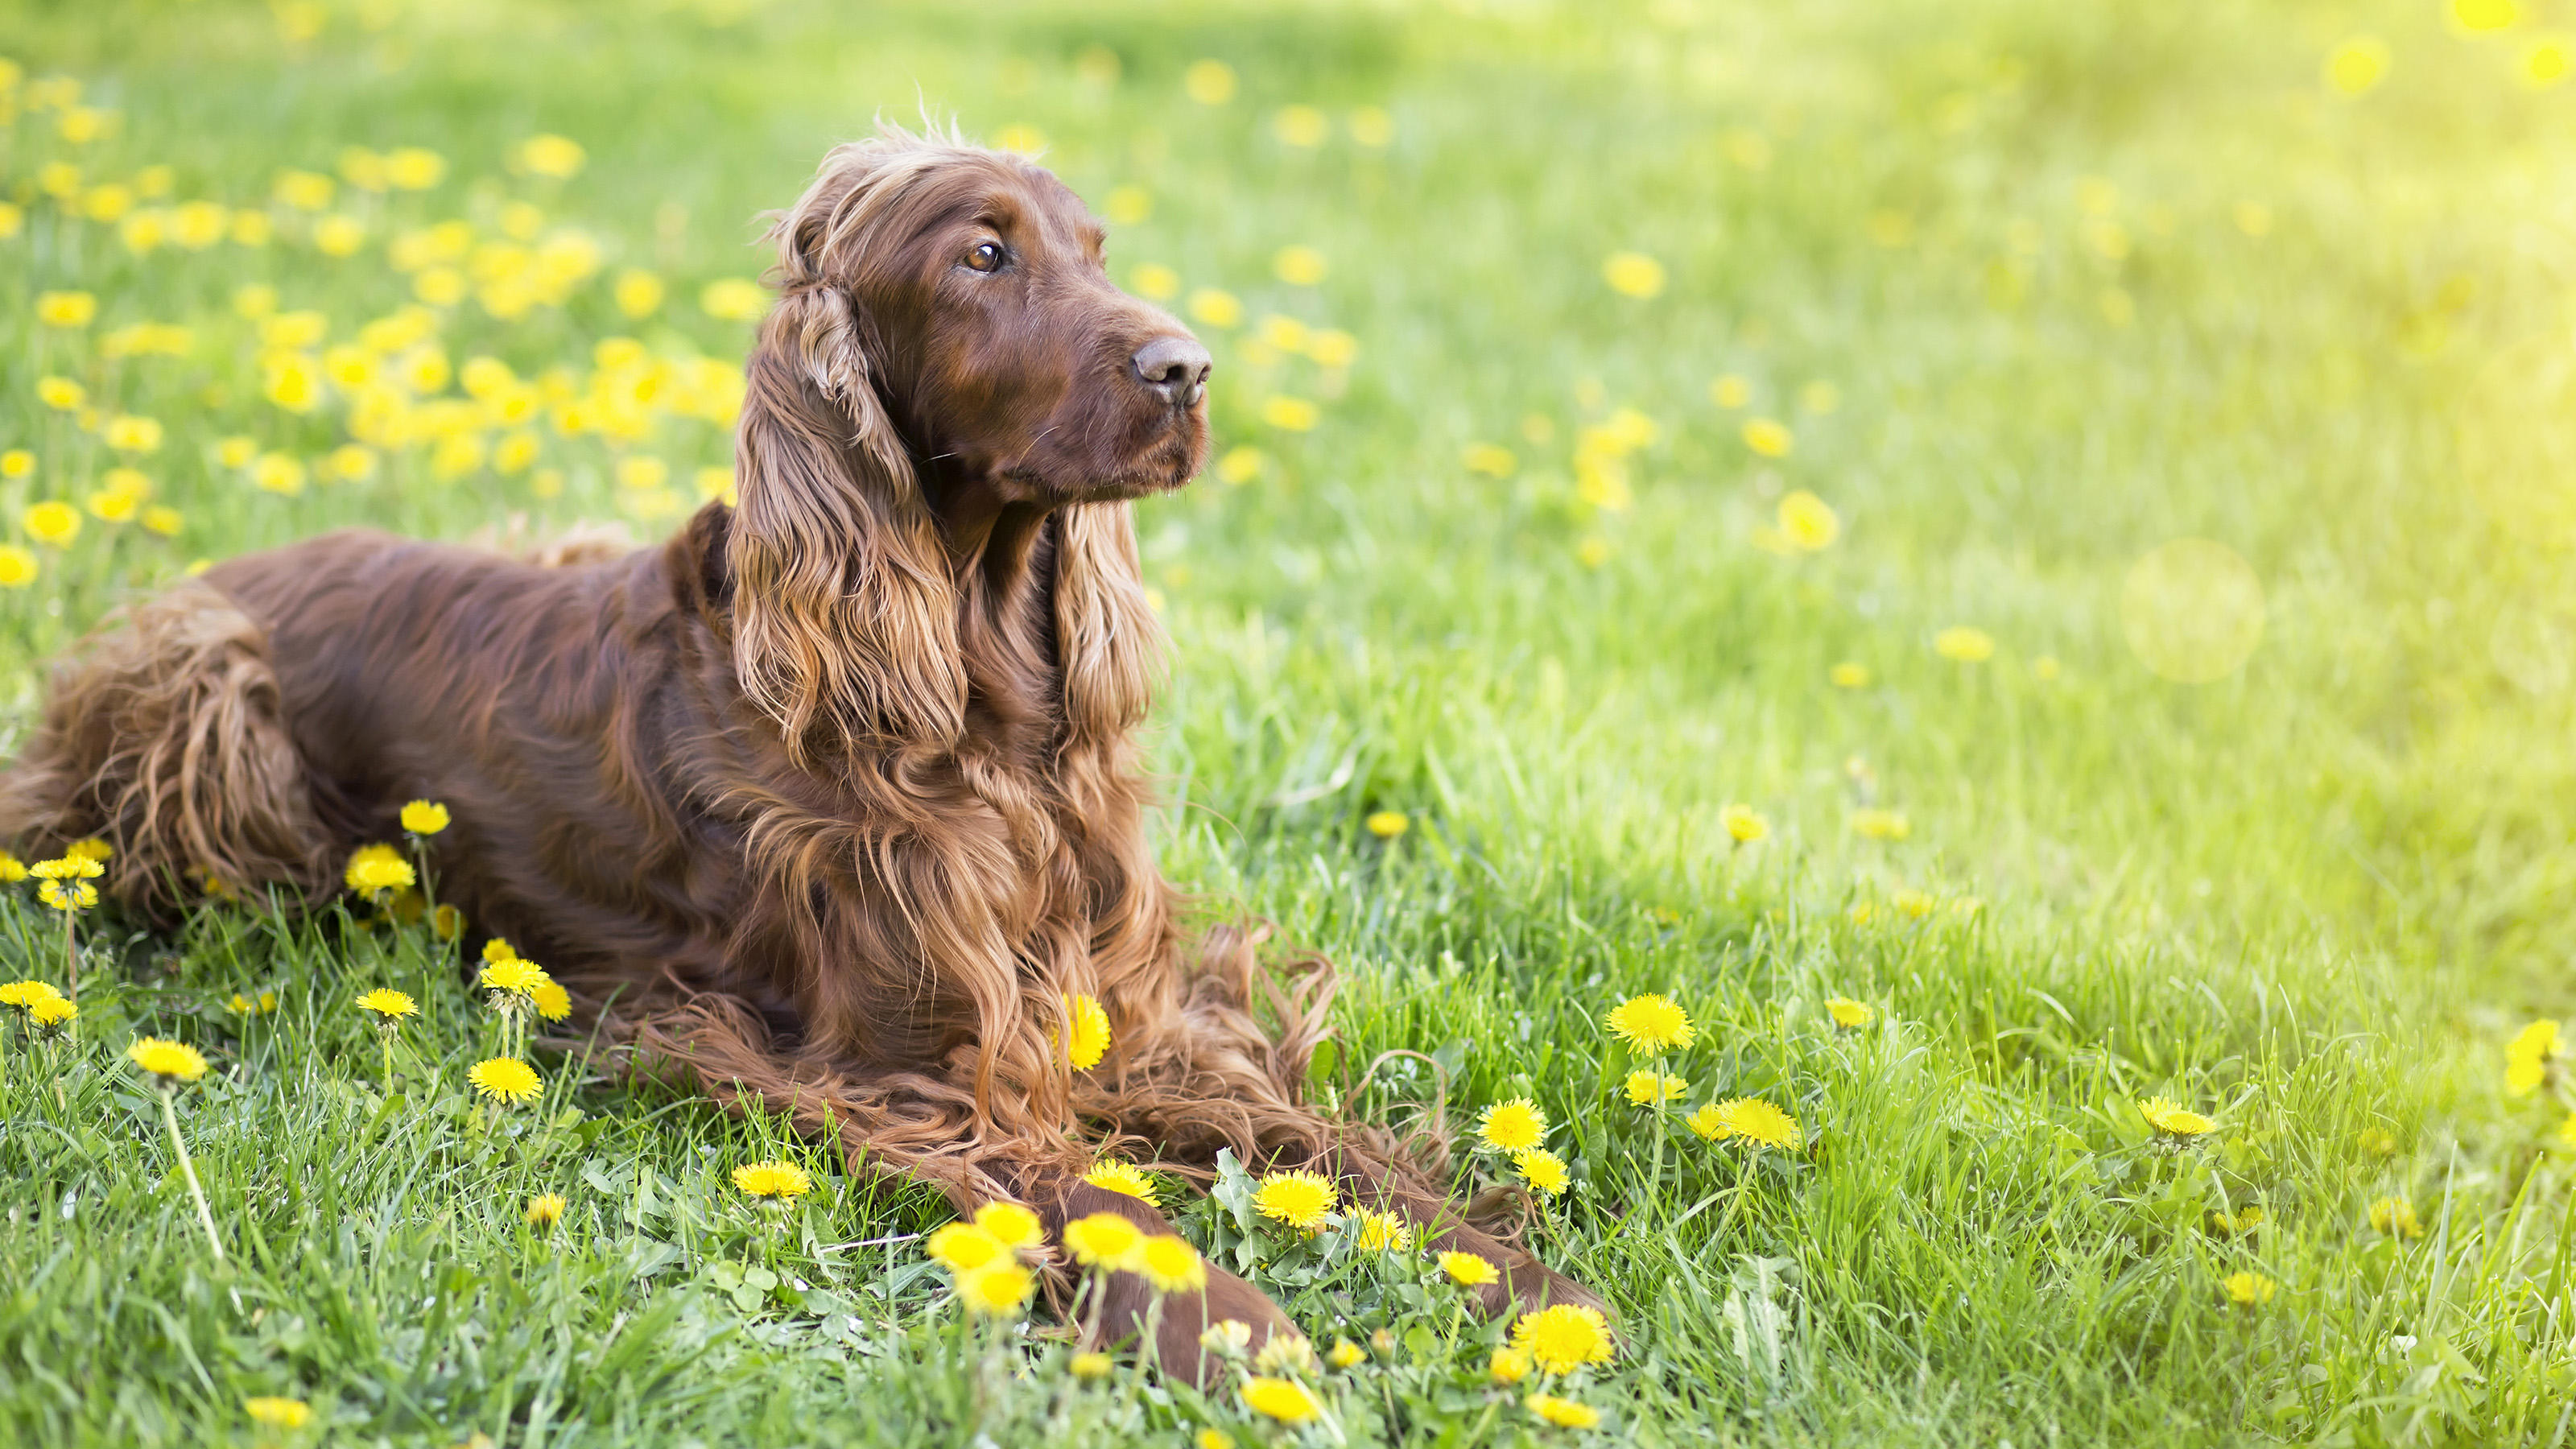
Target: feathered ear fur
1107,636
845,621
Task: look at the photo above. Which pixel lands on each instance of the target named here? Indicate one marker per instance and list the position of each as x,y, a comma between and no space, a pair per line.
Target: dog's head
946,343
966,288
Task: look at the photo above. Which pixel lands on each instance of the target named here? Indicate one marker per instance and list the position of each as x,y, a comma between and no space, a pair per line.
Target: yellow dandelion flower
1170,1264
733,300
1564,1413
548,155
61,394
424,817
53,1011
2170,1120
1563,1338
25,994
1769,437
1089,1367
169,1063
1912,904
1015,1225
1299,266
66,309
2395,1216
1302,1200
1122,1177
505,1079
1156,281
2546,61
1543,1170
374,869
129,434
52,522
1286,1353
1508,1365
997,1289
1346,1354
1090,1035
511,975
1808,523
1849,1015
964,1247
1216,308
544,1210
1103,1240
12,869
1285,1400
2567,1133
1744,825
1756,1121
2528,1055
1633,274
2358,65
1291,414
18,569
68,896
2377,1141
388,1005
1388,824
1645,1089
1964,644
80,860
1652,1024
2250,1290
638,292
1209,82
1468,1270
775,1180
277,1413
1875,824
1381,1232
552,1002
1513,1126
1213,1438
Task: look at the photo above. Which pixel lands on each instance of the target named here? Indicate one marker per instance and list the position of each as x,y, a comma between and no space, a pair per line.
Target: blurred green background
2096,479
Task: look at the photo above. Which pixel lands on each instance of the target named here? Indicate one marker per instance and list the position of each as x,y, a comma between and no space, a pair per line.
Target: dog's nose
1176,367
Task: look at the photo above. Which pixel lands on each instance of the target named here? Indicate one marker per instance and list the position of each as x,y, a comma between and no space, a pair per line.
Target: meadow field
2009,558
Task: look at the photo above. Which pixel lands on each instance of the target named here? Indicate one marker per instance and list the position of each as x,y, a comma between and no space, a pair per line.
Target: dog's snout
1176,367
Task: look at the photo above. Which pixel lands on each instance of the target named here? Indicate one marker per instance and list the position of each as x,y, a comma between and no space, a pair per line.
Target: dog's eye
986,257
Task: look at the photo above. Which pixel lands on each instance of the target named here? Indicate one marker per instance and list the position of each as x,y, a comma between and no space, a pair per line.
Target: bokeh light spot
2192,610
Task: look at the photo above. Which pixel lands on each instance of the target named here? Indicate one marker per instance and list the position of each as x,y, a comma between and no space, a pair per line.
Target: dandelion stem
1655,1182
188,1170
71,954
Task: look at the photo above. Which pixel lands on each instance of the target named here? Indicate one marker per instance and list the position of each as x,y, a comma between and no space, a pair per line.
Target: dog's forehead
1027,197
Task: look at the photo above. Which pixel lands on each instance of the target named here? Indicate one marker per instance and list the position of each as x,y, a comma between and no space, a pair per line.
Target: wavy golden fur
831,800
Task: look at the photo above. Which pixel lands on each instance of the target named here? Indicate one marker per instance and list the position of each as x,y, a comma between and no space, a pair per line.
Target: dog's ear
1105,630
844,619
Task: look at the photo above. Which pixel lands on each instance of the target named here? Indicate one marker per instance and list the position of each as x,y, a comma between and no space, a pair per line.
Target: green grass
2311,898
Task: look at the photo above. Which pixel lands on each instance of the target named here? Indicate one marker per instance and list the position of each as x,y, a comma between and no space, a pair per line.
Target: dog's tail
164,736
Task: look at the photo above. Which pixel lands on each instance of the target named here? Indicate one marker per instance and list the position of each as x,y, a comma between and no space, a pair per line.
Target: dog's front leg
1526,1283
1129,1307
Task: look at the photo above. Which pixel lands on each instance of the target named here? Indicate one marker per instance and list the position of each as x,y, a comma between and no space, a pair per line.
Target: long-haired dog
831,800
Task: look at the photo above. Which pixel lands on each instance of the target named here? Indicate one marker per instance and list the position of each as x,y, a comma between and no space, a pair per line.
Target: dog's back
248,727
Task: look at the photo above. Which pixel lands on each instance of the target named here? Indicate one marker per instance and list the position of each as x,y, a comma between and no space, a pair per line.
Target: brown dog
832,799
